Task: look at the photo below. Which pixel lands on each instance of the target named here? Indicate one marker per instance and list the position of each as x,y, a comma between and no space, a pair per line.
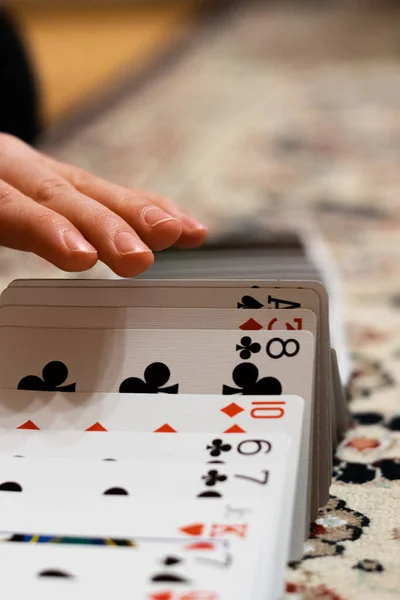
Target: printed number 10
267,410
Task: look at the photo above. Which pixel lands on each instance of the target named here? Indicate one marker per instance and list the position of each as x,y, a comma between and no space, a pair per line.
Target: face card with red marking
250,527
158,568
109,418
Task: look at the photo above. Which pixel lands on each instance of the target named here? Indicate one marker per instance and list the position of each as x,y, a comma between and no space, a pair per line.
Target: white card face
112,412
142,516
214,294
217,470
247,525
157,318
226,468
279,365
157,361
161,569
157,569
203,362
114,446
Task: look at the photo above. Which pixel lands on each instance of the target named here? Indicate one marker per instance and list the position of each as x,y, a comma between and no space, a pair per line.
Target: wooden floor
79,51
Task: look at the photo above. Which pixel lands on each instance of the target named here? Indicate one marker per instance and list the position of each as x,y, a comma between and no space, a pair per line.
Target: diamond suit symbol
194,529
28,425
96,427
166,428
235,429
250,325
232,409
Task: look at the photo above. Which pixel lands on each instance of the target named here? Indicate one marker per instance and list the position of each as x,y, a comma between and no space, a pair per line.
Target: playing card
280,364
107,413
243,524
156,361
158,565
214,294
162,569
217,469
157,318
122,445
137,517
186,294
342,412
249,472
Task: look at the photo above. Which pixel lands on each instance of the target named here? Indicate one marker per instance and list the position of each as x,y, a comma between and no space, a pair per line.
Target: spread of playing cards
166,439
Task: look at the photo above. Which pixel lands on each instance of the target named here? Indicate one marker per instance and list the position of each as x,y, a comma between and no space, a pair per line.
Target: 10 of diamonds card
174,436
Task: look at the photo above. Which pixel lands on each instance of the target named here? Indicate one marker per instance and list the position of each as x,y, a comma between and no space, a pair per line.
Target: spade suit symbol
54,374
249,302
246,376
156,375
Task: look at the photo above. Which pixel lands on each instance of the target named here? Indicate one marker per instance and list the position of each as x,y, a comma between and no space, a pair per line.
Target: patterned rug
282,109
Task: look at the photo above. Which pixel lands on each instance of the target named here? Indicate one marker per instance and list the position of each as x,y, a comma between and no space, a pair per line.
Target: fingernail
77,243
126,243
152,215
192,223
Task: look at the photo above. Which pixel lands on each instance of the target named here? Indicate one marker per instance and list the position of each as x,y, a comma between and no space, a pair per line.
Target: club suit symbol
247,347
156,375
213,477
246,376
217,447
54,374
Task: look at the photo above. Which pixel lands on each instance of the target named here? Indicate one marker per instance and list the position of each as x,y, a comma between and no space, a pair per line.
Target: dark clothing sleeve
18,94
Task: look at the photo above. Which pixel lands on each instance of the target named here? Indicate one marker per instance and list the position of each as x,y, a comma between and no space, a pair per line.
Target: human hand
72,218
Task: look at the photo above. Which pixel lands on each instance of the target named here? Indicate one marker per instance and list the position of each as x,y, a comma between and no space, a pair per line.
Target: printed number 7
262,481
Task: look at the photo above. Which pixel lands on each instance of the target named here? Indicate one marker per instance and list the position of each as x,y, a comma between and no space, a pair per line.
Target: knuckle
134,203
48,220
49,188
77,176
101,219
7,196
126,198
129,198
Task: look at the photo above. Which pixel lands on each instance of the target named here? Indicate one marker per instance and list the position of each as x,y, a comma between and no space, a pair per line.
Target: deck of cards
166,439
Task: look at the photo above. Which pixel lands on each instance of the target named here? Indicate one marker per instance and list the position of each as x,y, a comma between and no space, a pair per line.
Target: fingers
158,221
71,217
117,244
193,234
25,225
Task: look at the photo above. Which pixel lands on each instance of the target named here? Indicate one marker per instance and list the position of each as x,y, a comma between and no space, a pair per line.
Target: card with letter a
173,438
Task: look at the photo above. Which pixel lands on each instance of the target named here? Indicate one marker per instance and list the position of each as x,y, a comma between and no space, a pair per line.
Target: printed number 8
284,350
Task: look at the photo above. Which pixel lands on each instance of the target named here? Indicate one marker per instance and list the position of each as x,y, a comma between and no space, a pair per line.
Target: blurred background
80,49
241,109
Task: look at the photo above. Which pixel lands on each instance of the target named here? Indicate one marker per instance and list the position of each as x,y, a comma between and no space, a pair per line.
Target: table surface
282,112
